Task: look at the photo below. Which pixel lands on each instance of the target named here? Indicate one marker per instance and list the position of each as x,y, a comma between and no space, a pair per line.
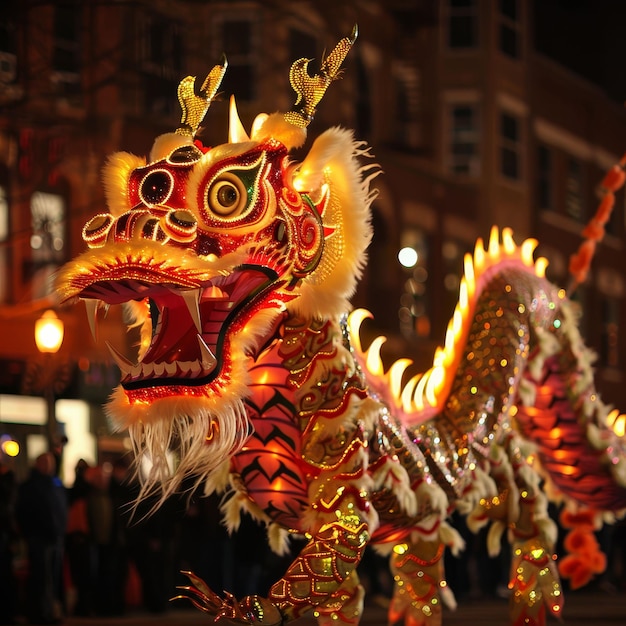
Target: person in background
41,512
8,539
78,543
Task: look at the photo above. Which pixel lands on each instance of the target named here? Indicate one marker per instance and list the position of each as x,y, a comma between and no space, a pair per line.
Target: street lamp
49,331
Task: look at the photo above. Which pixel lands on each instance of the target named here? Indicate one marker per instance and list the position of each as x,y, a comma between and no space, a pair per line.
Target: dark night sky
588,36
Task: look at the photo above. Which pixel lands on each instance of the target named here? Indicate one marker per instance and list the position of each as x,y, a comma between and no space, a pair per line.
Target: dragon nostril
95,231
280,232
156,187
183,219
180,225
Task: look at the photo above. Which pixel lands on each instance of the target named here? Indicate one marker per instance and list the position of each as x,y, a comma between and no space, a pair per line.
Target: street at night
583,608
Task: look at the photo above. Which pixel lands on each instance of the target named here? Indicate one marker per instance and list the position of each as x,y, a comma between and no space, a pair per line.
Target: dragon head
210,247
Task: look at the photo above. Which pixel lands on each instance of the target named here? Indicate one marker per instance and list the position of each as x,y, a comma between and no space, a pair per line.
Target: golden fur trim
115,175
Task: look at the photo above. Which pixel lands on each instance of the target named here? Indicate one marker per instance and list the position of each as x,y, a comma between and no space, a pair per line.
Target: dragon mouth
185,344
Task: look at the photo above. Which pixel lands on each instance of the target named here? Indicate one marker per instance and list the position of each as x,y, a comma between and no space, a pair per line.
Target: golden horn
194,106
311,89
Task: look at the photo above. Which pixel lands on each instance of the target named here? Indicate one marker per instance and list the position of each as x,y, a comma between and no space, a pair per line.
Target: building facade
472,125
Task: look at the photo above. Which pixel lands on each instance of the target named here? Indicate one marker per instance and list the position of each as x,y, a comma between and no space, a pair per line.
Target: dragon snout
161,225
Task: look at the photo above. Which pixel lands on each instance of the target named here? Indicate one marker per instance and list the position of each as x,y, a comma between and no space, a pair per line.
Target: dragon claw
251,610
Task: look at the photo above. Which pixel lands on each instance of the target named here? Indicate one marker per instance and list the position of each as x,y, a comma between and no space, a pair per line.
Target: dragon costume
238,264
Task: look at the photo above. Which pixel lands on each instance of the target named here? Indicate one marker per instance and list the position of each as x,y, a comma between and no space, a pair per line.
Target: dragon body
238,265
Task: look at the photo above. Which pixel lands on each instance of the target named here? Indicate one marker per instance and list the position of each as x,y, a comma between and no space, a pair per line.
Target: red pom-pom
614,178
579,519
594,231
605,207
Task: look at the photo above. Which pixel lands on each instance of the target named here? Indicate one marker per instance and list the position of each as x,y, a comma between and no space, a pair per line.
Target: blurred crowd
88,551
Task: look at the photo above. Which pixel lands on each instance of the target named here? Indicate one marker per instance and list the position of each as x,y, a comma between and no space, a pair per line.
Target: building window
406,129
452,252
4,240
574,195
8,47
363,103
381,279
302,45
510,146
509,29
47,241
462,24
544,178
463,140
609,350
415,305
66,54
160,62
237,38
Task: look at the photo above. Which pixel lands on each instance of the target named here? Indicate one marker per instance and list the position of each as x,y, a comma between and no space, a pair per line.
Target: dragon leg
521,506
322,578
534,577
345,606
417,569
318,575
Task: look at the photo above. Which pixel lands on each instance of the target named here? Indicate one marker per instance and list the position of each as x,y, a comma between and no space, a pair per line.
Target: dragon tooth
159,368
192,300
147,370
91,306
207,357
188,368
122,362
171,368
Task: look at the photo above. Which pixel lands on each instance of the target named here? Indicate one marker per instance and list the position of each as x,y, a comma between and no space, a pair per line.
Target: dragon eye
227,196
156,187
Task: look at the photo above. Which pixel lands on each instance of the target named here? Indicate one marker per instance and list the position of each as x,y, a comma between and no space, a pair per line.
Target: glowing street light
9,446
49,330
408,256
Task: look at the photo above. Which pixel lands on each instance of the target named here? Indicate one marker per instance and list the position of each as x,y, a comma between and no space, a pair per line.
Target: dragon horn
194,106
311,89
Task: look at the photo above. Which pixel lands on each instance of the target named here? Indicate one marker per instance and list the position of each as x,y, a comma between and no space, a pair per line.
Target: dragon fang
238,265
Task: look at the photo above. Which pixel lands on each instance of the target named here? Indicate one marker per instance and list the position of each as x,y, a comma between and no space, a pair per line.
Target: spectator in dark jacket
8,542
42,518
